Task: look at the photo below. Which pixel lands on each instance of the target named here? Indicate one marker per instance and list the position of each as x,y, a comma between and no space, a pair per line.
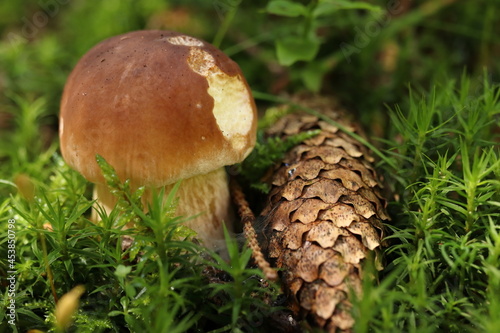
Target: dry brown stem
248,219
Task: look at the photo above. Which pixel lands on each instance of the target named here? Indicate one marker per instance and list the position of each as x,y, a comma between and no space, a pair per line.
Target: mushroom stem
206,195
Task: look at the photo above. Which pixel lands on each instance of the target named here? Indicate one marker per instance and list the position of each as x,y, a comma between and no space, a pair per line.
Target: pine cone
324,215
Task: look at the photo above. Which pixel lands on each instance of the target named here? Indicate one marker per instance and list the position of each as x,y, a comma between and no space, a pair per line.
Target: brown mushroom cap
158,106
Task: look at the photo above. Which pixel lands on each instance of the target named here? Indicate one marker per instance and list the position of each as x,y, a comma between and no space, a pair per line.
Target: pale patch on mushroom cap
139,101
232,106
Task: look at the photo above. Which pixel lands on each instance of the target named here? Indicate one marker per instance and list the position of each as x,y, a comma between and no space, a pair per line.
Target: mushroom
160,106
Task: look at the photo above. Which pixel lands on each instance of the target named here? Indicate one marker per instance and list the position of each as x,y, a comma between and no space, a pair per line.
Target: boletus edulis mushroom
160,106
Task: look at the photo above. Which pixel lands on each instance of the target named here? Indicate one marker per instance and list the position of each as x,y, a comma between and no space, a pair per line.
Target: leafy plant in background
301,41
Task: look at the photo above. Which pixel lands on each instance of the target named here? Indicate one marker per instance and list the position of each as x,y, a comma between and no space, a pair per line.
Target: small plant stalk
50,277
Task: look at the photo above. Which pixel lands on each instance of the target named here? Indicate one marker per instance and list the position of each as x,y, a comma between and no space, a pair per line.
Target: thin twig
248,218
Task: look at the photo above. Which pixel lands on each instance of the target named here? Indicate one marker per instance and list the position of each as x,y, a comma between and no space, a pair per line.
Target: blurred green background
367,53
